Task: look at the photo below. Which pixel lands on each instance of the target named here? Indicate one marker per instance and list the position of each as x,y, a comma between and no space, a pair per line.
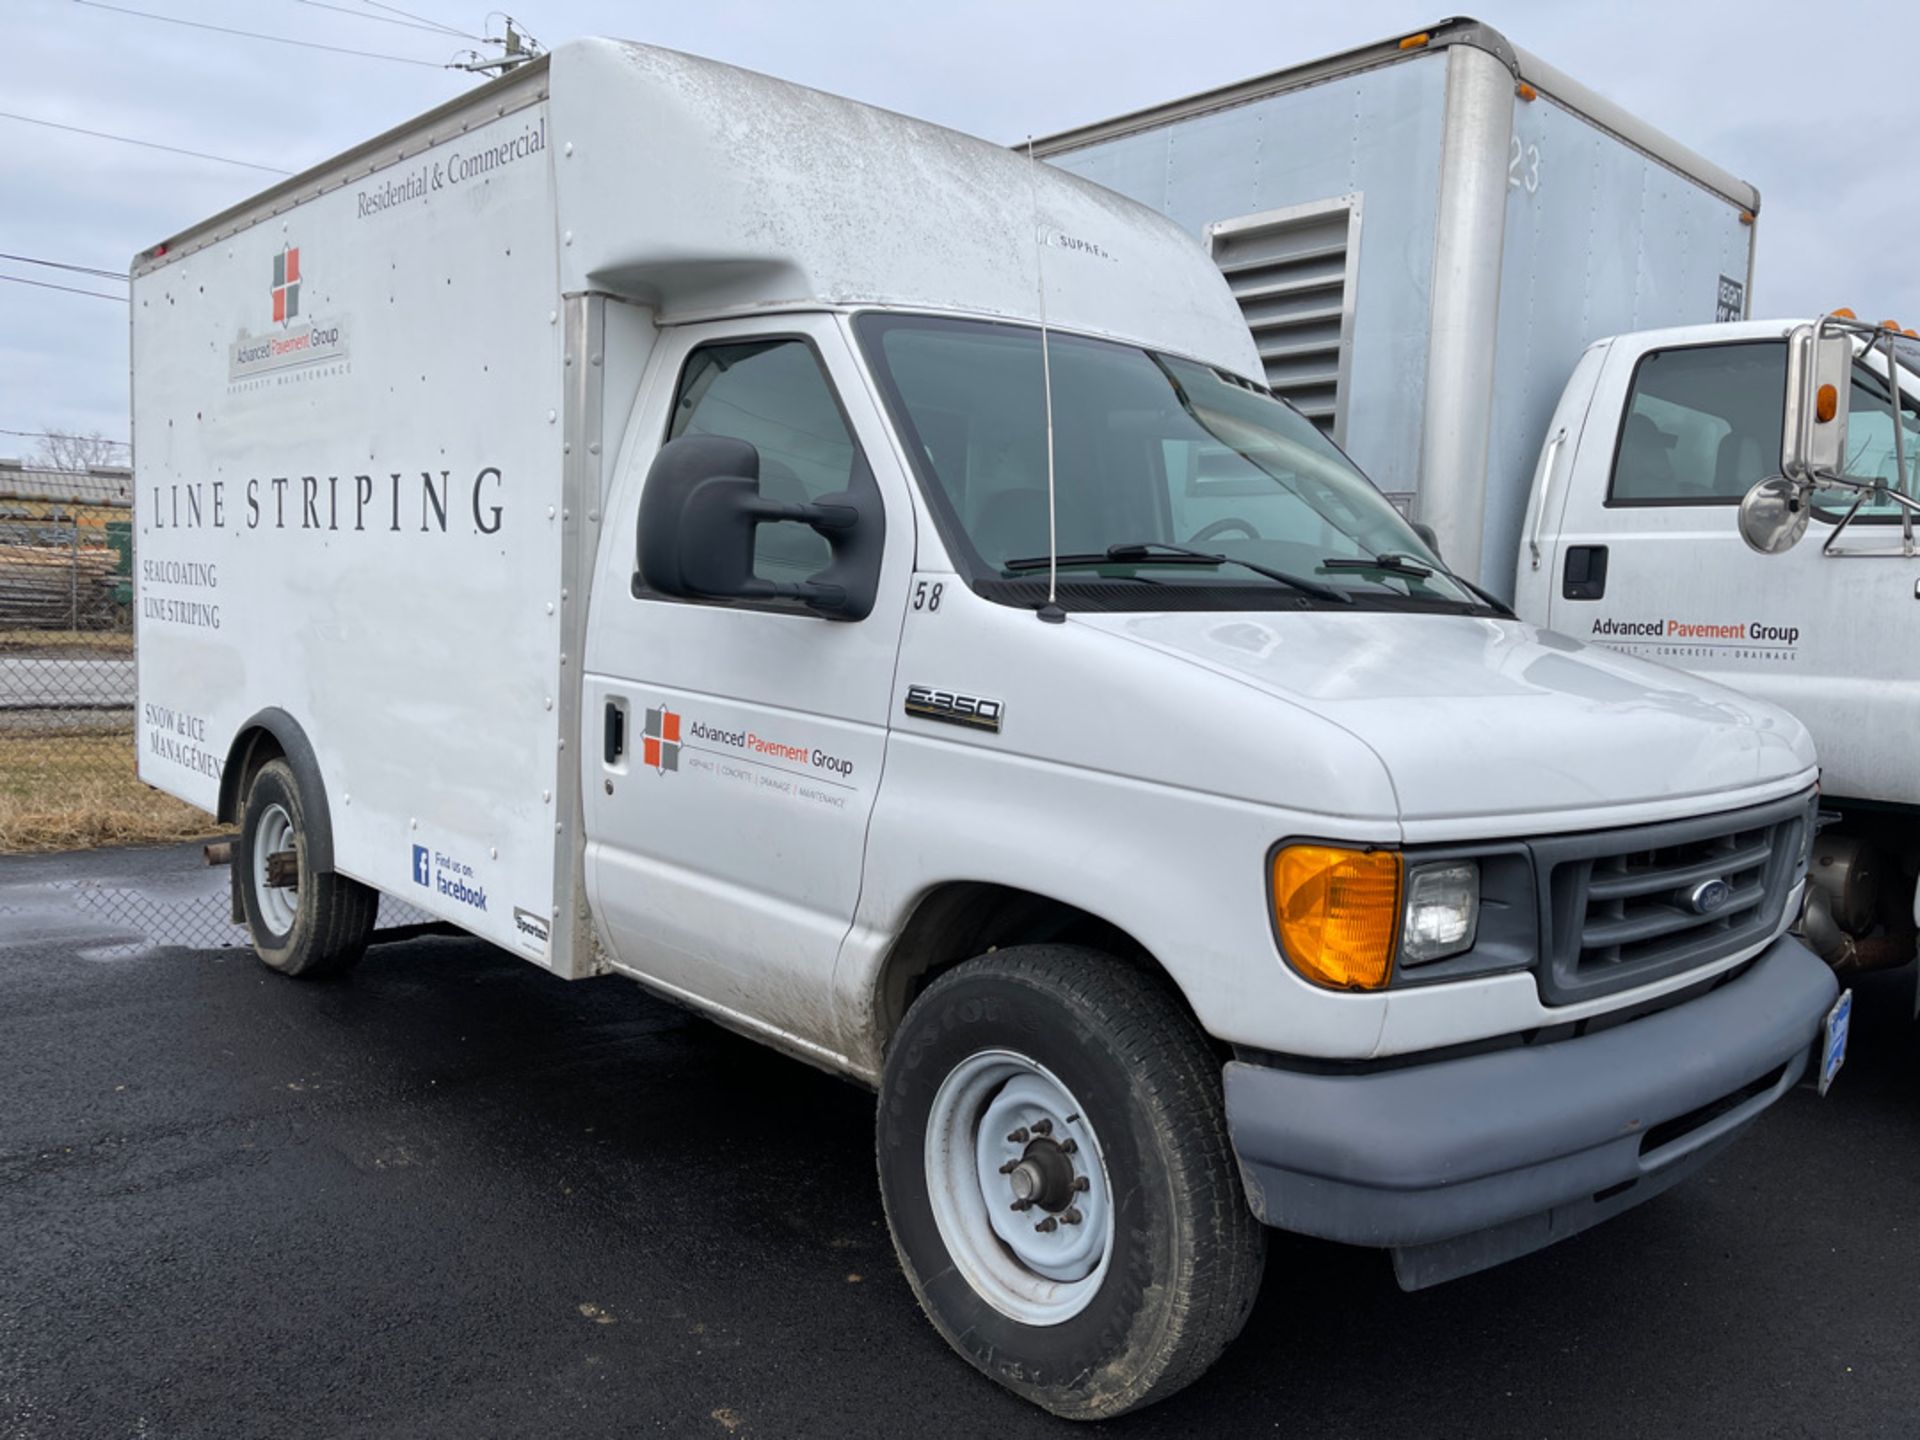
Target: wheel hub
1019,1187
1044,1177
276,868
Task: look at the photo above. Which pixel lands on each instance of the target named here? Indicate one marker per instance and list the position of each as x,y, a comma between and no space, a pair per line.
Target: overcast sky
1782,95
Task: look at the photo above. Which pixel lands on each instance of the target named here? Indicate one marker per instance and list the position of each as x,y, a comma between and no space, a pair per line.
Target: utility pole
516,49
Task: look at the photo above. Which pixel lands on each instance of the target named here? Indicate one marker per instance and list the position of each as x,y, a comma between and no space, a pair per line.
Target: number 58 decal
926,596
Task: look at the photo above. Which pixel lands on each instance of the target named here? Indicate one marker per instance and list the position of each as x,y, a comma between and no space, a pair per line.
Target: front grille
1627,907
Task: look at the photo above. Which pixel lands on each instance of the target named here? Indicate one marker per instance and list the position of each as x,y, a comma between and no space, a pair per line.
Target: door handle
615,737
1585,577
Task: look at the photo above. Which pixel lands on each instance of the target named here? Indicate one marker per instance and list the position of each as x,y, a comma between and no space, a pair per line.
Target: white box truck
1537,343
857,583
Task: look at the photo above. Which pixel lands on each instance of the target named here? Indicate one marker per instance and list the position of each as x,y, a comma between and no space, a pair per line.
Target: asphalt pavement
454,1196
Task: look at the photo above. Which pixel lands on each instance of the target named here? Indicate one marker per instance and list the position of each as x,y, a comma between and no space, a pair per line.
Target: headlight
1337,913
1442,911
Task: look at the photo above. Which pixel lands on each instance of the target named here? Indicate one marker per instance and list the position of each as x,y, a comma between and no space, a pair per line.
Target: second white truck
1523,311
857,582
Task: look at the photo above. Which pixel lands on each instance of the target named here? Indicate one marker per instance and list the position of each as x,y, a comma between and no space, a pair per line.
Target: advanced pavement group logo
297,346
660,740
286,284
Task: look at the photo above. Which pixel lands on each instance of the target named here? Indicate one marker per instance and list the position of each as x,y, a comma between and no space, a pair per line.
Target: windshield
1149,451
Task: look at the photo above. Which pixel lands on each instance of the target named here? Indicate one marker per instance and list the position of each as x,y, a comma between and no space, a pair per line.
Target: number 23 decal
927,597
1523,166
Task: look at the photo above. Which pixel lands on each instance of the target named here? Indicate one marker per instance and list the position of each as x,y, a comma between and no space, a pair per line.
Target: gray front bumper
1460,1164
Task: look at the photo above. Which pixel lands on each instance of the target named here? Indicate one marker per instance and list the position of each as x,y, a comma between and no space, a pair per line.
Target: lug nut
1018,1137
1080,1183
1069,1145
1022,1205
1072,1216
1043,1127
1047,1226
1009,1167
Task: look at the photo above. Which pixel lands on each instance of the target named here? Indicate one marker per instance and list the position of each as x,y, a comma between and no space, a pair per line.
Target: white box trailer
852,580
1424,235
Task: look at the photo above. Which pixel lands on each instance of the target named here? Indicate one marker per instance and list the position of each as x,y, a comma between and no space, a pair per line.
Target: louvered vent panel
1290,278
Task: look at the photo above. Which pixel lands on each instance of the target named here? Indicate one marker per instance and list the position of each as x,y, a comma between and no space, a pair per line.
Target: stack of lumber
47,588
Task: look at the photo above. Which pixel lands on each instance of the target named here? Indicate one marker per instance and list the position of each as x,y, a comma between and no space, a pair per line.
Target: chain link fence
67,698
68,777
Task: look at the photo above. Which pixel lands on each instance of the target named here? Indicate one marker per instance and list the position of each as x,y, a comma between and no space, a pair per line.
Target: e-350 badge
952,708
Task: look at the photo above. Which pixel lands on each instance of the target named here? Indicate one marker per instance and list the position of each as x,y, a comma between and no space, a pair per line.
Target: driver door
735,748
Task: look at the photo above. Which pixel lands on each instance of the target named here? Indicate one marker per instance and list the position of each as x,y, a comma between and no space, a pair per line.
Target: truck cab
1631,542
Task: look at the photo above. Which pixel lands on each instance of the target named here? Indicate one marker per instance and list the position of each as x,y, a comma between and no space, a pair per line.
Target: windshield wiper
1393,562
1398,562
1162,553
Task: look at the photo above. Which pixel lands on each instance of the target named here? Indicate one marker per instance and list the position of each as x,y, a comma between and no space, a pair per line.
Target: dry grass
100,642
69,792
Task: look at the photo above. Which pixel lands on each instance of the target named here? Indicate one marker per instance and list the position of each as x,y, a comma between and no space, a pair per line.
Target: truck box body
348,489
1424,238
373,439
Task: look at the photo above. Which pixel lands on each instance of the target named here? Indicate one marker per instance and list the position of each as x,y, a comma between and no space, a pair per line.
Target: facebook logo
422,866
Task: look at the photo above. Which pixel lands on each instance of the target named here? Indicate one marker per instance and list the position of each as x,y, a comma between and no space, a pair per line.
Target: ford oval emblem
1709,896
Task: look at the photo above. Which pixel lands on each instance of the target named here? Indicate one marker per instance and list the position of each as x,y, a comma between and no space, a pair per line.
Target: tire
1158,1274
320,925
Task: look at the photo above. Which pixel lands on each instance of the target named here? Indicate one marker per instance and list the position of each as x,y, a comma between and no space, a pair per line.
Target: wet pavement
454,1196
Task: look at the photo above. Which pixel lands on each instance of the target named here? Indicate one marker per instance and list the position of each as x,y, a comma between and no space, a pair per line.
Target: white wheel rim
1003,1128
279,904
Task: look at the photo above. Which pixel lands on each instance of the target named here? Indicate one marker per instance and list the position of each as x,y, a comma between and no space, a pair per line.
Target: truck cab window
774,395
1702,425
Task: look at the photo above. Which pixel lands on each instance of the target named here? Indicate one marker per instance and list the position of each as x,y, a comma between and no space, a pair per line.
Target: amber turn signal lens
1338,913
1826,403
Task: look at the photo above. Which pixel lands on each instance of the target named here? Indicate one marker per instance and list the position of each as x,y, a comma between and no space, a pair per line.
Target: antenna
1051,611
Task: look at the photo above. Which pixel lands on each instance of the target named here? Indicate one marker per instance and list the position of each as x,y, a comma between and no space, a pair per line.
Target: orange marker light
1844,314
1826,404
1526,91
1337,912
1414,42
1746,217
1893,325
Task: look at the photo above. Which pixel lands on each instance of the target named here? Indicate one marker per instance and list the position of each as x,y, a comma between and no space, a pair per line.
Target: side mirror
1813,435
1428,535
1773,515
702,509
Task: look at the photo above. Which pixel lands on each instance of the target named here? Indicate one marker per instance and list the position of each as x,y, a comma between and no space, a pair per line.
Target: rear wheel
303,923
1057,1175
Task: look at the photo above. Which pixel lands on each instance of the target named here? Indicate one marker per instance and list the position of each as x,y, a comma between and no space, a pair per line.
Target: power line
60,265
256,35
147,144
71,290
63,435
430,26
425,20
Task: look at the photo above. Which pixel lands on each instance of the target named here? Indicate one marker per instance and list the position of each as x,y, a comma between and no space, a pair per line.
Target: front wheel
303,923
1057,1175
